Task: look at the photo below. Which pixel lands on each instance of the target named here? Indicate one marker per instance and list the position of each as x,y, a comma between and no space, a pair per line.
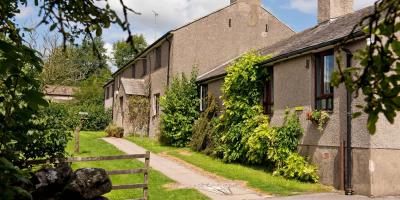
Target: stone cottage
204,43
347,155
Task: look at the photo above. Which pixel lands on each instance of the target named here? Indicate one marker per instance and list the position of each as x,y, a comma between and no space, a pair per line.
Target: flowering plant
319,117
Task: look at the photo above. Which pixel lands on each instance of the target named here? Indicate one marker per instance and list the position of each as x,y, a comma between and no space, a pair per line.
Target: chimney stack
331,9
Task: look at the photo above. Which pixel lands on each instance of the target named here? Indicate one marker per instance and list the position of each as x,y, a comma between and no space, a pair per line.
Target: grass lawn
256,177
92,145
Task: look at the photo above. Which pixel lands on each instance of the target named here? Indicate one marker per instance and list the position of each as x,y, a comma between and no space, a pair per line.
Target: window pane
328,70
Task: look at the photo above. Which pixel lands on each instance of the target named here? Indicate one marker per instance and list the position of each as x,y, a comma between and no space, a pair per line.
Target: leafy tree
74,64
21,94
379,76
180,106
124,52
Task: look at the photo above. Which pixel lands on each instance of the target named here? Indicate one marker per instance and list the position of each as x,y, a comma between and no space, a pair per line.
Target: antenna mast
155,24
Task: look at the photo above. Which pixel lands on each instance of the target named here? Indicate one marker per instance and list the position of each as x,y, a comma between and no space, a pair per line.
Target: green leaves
180,106
378,77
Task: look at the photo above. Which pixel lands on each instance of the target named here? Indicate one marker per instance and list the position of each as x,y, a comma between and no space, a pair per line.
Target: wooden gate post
146,175
77,130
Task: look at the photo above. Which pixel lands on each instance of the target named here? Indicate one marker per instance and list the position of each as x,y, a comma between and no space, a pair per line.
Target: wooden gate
144,170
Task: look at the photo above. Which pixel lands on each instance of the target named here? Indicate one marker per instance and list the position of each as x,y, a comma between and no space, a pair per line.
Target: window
121,104
107,92
134,71
156,104
112,89
324,64
203,97
266,27
230,23
144,65
268,93
158,58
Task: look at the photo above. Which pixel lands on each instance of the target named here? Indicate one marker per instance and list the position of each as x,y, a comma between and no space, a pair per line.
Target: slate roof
134,86
59,90
325,34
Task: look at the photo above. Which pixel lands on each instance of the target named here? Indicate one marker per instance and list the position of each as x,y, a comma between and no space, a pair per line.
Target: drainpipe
169,59
349,158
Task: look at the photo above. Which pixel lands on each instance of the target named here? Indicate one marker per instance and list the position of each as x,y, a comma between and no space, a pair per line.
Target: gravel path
188,177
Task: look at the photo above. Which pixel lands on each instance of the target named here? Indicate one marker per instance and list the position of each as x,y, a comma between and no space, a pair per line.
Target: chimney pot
331,9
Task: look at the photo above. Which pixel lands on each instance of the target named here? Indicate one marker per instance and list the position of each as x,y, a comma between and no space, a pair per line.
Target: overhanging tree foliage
379,76
20,66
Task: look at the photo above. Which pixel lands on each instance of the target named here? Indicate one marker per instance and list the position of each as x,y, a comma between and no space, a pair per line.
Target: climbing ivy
241,96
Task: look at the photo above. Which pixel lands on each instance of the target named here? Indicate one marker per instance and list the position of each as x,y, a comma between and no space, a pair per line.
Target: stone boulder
47,182
87,183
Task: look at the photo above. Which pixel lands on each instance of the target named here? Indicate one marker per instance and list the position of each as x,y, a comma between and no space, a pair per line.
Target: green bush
96,120
258,143
295,166
113,130
180,106
203,138
241,95
11,180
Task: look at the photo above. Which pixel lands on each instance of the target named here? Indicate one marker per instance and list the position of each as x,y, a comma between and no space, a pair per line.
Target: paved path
217,187
331,196
187,177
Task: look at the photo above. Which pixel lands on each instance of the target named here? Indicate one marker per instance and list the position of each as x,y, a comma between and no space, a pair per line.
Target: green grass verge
256,177
91,144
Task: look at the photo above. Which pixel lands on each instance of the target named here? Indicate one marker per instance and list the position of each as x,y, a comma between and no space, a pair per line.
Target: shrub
203,138
11,180
96,120
113,130
295,166
242,94
258,143
180,106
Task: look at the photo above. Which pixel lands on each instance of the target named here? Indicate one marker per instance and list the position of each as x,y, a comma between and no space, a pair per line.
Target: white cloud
310,6
172,14
305,6
358,4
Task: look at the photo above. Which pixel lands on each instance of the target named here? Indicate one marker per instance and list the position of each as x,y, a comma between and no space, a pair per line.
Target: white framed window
203,97
156,104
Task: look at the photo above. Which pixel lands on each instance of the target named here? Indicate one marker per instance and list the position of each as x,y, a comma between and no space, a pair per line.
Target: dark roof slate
309,39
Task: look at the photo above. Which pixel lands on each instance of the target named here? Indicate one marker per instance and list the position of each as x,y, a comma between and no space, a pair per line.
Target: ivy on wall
241,98
139,113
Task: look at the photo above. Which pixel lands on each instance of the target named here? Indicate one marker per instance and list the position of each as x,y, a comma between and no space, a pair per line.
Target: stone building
301,66
59,93
204,43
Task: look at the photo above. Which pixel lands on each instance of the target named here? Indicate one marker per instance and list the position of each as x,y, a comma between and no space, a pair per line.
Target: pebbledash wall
205,43
375,157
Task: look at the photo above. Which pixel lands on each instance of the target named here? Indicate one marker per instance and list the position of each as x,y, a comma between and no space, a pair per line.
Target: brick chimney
331,9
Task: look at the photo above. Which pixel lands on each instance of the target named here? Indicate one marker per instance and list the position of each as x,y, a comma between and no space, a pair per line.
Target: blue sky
298,14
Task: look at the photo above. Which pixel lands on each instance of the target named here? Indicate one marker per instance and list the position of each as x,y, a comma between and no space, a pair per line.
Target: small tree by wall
180,108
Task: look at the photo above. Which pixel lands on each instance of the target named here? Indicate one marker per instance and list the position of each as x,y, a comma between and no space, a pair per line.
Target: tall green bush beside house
179,107
241,99
205,137
246,135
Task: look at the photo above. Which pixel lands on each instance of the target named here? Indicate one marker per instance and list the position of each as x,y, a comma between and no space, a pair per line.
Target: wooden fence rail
144,170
